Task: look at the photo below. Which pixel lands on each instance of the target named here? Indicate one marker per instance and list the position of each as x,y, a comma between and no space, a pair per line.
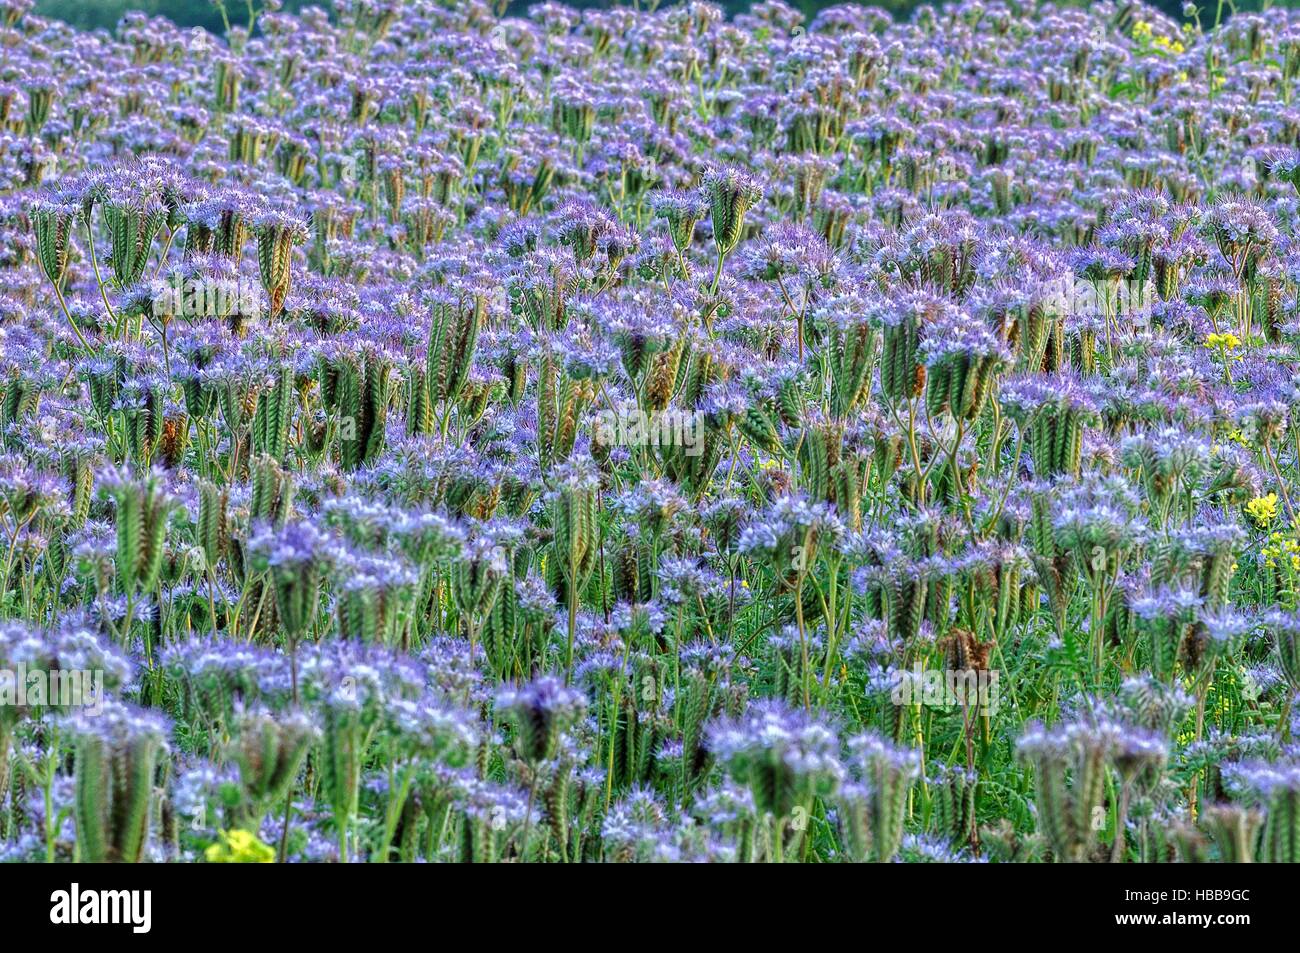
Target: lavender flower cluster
948,514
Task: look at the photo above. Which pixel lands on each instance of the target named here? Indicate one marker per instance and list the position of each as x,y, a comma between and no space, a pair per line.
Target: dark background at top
92,14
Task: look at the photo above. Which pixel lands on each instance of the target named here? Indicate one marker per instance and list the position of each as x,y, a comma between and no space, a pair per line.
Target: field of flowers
647,436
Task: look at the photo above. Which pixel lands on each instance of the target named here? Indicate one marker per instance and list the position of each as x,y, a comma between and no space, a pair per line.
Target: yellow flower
1281,547
1227,341
1236,436
239,847
1142,31
1263,509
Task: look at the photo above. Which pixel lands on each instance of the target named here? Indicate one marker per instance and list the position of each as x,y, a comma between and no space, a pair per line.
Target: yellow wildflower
1227,341
1283,547
239,847
1263,509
